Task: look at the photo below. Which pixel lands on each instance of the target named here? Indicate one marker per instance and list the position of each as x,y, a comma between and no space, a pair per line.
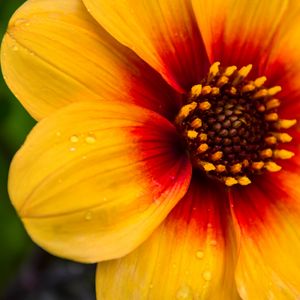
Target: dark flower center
231,126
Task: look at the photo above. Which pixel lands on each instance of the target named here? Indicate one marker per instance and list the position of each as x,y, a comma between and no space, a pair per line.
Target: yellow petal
54,53
268,218
164,33
93,180
190,256
238,31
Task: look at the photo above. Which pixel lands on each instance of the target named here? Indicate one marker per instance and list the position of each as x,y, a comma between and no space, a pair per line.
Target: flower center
231,126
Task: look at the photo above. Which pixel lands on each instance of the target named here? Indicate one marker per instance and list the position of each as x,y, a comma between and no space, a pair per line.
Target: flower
157,151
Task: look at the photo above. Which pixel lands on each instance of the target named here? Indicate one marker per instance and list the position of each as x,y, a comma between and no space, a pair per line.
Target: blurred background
27,272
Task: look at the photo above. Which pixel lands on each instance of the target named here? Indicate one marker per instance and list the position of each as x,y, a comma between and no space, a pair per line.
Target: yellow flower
166,148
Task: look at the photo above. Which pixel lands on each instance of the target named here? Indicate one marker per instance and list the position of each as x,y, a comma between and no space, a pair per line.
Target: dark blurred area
26,271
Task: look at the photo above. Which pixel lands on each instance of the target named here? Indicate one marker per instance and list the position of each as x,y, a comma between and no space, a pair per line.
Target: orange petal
93,180
190,256
54,53
238,32
267,214
163,32
283,67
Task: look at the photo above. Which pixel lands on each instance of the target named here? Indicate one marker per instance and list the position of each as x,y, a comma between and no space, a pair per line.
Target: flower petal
93,180
164,33
190,256
54,53
238,32
283,67
268,218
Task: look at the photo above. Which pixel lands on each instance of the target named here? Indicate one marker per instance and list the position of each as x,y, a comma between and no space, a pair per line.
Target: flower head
167,146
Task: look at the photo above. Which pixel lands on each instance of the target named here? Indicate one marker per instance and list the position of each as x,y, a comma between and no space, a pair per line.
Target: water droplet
206,275
90,139
88,215
15,48
72,149
74,139
199,254
184,293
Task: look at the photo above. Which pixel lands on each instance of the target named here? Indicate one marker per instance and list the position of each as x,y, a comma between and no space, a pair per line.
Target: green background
26,271
15,123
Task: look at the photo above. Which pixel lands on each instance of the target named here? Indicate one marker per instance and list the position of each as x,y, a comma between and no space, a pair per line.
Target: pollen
231,126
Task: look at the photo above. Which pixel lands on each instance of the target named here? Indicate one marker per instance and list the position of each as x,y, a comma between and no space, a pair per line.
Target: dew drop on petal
184,293
88,215
74,139
206,275
90,139
72,149
199,254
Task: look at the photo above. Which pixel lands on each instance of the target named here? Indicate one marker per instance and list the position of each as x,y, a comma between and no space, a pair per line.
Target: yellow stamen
241,74
244,180
217,155
233,91
272,166
257,165
204,105
274,90
236,168
206,90
222,80
213,71
266,153
229,71
192,134
260,94
273,103
185,111
248,88
245,163
258,82
271,117
197,123
271,140
196,90
285,124
215,91
203,137
207,166
283,154
261,108
202,148
230,181
283,137
220,168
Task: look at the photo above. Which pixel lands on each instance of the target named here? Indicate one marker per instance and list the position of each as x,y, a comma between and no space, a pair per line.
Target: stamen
273,103
204,105
244,180
202,148
231,126
196,90
272,117
283,154
283,137
285,124
197,123
272,166
230,181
